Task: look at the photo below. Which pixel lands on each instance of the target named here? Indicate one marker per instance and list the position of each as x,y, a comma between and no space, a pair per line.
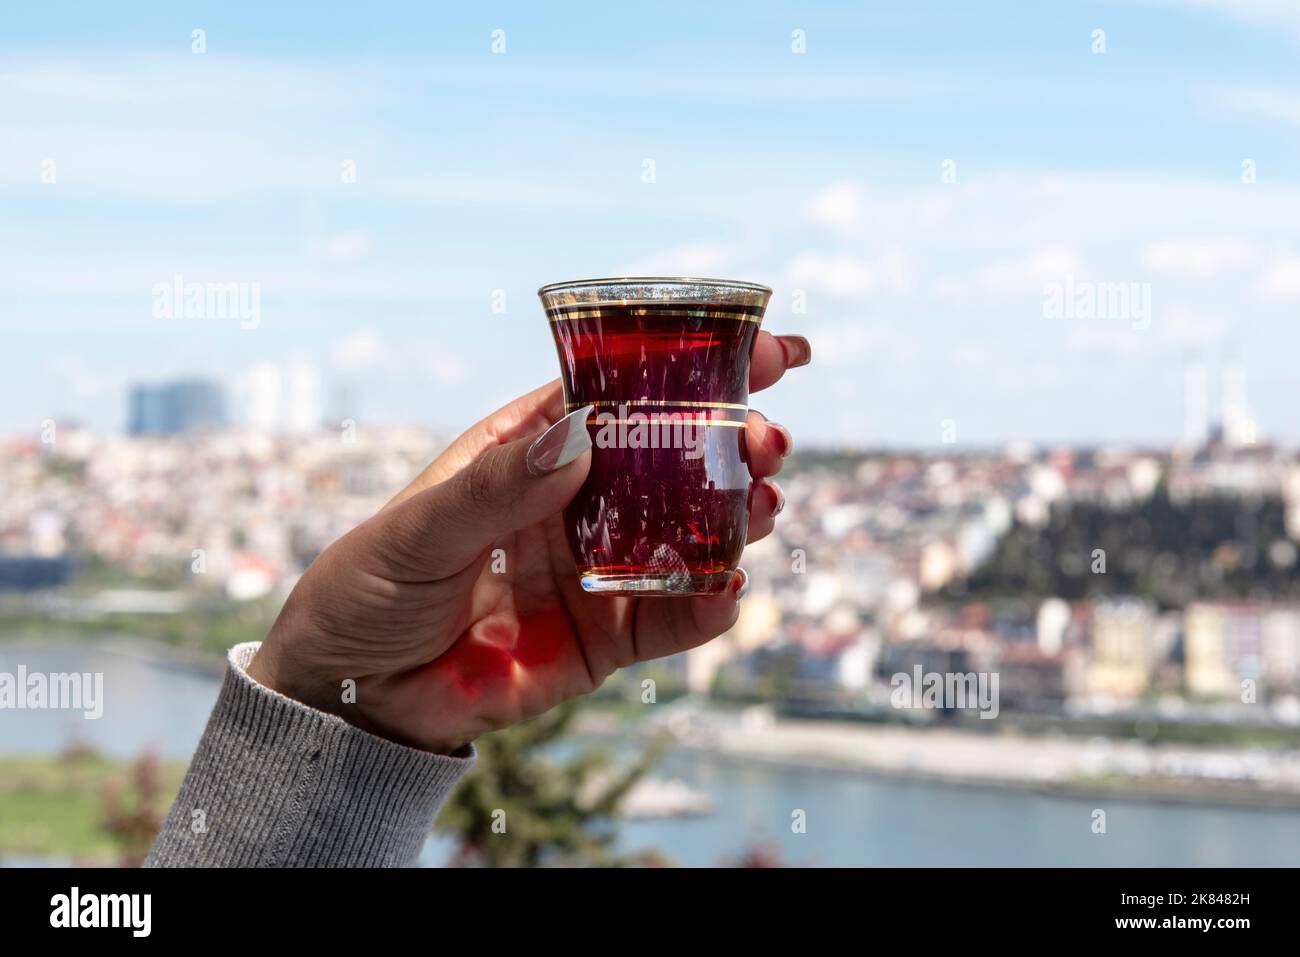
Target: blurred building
1120,663
1031,679
283,399
30,572
176,408
1050,625
1224,646
1280,646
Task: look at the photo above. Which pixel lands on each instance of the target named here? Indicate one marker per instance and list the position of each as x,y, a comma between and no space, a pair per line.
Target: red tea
665,507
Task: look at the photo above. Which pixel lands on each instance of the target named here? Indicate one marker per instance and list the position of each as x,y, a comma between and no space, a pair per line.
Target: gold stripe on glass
694,423
654,314
573,406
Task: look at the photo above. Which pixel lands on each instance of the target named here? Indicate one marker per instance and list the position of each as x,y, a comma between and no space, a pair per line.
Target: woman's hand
441,647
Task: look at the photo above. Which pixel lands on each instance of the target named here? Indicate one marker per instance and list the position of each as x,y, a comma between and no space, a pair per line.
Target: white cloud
840,206
182,128
849,343
1281,280
367,351
895,269
707,259
488,190
343,248
1271,104
1027,274
844,275
449,369
1022,208
1269,14
771,87
839,275
368,355
1193,329
84,382
933,210
1198,257
362,349
1108,339
146,83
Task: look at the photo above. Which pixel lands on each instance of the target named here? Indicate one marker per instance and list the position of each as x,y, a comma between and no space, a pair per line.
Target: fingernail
798,351
784,438
740,575
560,444
780,498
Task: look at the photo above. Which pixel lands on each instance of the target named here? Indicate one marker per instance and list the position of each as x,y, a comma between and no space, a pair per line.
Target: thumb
443,529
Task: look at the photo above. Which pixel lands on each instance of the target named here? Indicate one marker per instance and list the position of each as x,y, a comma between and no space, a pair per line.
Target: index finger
773,355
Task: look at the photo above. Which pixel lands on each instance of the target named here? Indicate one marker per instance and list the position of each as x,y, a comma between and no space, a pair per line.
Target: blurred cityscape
1089,579
1140,607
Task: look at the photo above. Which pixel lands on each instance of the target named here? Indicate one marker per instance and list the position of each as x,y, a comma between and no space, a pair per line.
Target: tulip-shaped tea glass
665,364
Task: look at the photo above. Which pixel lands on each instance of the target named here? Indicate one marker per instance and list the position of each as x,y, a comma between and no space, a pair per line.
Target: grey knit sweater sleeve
275,783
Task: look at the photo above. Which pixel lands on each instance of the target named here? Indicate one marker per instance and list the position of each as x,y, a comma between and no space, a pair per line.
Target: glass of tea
665,365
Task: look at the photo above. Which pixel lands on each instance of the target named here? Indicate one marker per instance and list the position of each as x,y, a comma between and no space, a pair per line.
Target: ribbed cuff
275,783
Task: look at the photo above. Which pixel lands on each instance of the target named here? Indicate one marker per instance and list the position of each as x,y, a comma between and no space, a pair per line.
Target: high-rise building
263,390
303,410
283,398
176,408
1196,404
1238,425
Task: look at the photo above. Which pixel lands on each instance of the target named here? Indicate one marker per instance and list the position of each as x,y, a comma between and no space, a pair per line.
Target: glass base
648,584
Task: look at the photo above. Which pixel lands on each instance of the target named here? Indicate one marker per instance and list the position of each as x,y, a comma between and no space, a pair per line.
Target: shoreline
1177,794
160,653
1071,769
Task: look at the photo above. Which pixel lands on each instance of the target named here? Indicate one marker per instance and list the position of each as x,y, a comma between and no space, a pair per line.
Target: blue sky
817,173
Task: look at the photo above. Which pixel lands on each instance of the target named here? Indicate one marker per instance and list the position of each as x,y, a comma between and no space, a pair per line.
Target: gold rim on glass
655,280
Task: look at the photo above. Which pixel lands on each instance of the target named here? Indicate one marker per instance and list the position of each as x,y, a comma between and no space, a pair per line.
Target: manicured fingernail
560,444
779,507
798,351
741,589
785,441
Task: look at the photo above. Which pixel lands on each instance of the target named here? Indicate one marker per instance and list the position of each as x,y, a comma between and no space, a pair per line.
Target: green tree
524,807
1174,552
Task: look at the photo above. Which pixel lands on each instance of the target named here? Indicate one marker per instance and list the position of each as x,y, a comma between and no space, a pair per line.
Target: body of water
855,820
851,819
150,702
